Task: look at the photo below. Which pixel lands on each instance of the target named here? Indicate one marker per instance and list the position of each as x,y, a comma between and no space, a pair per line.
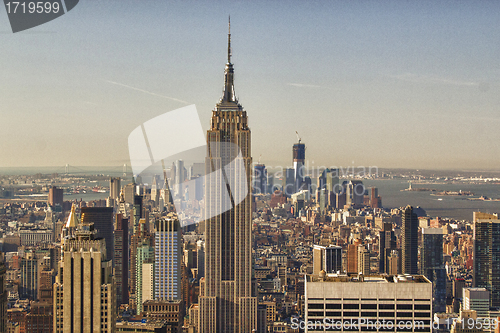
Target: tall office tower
29,276
168,251
432,265
200,258
332,180
299,156
136,214
288,183
327,258
375,200
102,218
180,177
393,262
56,196
363,260
409,242
387,243
121,259
487,255
431,253
260,179
40,318
352,257
458,287
3,296
84,292
226,302
355,191
137,240
114,188
129,193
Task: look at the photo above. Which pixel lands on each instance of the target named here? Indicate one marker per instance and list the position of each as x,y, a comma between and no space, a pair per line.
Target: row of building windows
369,306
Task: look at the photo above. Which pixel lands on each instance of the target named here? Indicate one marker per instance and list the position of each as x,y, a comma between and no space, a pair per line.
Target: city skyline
383,83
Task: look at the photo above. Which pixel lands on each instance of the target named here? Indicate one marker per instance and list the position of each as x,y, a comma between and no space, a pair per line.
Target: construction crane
298,137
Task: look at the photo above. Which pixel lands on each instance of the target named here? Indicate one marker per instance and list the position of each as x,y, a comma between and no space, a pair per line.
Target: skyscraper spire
229,41
228,96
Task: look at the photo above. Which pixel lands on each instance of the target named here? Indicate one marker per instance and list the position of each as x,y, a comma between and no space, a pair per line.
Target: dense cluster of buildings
302,251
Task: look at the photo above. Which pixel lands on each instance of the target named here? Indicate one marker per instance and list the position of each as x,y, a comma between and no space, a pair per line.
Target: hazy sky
376,83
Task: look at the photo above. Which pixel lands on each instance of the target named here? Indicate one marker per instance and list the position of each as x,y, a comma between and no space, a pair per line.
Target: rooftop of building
382,278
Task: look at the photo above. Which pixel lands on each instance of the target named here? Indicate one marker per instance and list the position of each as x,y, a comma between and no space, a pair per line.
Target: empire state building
226,301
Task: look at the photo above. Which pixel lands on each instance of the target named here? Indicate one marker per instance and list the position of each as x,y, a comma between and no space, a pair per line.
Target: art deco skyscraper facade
226,302
84,292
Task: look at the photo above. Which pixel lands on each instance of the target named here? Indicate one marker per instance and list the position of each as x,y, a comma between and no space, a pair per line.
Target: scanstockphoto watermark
26,14
356,323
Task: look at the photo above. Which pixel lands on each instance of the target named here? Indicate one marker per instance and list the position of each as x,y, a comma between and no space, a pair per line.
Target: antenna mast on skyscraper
298,137
229,41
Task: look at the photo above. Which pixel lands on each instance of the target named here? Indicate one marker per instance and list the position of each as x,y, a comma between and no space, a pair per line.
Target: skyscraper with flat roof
409,242
168,241
226,300
121,259
487,255
432,265
114,188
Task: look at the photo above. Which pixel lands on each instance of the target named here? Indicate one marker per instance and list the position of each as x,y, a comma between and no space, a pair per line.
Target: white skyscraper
168,242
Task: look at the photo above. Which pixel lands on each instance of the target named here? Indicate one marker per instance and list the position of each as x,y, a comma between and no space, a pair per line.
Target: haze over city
409,85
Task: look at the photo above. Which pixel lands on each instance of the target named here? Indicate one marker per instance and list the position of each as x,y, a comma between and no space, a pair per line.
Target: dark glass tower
409,242
487,257
432,266
102,218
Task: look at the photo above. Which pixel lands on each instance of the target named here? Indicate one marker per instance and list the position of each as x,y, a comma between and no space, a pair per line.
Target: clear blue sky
376,83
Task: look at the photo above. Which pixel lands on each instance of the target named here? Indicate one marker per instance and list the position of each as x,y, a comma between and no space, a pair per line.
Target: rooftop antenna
229,41
298,137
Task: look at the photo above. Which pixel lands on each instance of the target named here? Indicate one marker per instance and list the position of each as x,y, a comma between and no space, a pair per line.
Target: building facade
168,251
409,242
226,300
487,256
84,292
375,303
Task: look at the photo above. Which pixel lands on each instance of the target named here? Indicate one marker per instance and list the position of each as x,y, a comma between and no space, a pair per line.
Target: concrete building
327,258
84,292
148,277
477,299
56,196
367,303
168,254
35,236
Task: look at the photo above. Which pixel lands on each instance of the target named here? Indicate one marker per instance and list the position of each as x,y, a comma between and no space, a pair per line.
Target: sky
392,84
